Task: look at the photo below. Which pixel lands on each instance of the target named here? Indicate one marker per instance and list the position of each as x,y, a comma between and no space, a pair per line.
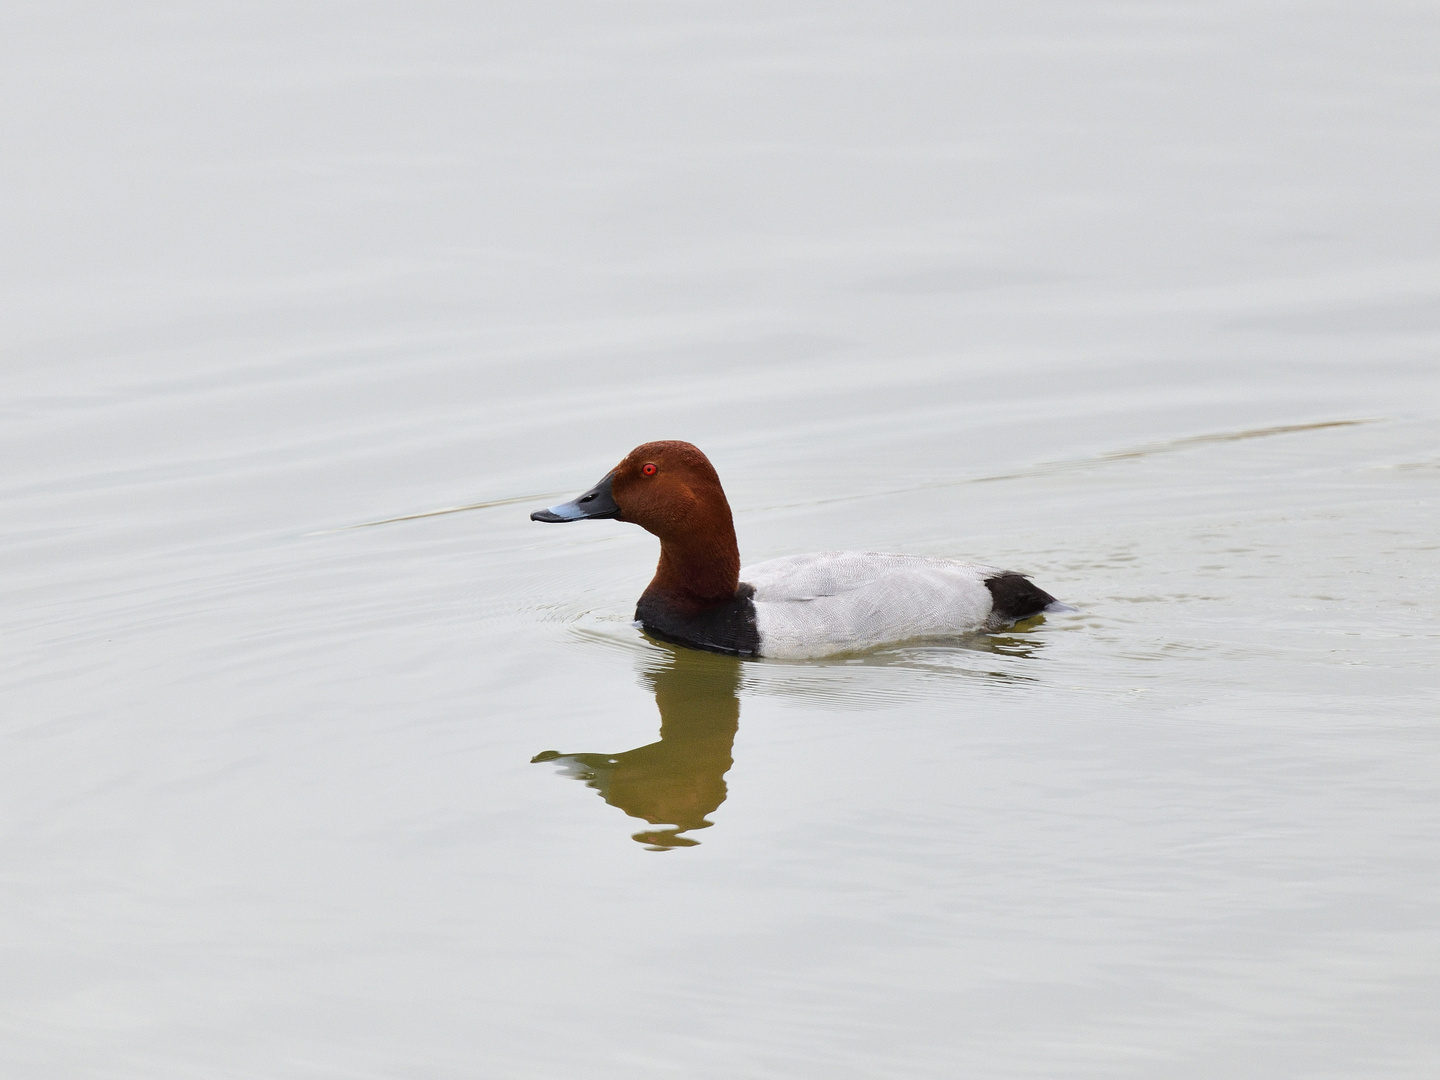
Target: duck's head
668,488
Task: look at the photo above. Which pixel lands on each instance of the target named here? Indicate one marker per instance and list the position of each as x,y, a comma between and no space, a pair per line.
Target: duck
796,607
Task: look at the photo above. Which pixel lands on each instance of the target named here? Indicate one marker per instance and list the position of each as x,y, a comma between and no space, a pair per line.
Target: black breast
725,628
1015,598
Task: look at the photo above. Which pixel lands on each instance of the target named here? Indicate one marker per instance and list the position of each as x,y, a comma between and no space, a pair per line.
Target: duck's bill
595,503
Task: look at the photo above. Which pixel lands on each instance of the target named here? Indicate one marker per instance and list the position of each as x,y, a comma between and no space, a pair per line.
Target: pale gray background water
999,281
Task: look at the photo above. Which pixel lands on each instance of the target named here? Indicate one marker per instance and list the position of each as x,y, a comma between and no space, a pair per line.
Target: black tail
1015,598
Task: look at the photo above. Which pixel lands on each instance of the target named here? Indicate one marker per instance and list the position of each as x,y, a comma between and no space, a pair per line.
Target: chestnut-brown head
670,489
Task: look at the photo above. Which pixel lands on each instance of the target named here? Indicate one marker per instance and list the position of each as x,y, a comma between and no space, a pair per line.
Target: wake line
1043,469
438,513
1049,467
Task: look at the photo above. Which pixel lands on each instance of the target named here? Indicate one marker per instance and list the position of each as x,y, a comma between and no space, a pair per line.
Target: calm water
1141,298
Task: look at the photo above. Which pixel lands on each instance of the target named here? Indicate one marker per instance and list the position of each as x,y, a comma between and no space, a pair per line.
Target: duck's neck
698,569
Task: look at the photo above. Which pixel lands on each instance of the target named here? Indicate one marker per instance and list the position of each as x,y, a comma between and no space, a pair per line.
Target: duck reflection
680,779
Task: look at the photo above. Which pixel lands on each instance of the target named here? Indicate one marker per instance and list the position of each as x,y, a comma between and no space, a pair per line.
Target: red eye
648,468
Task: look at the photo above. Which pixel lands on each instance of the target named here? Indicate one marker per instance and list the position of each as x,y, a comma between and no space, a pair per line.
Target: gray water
1143,299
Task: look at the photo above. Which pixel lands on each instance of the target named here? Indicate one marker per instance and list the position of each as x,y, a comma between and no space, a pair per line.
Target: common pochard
795,607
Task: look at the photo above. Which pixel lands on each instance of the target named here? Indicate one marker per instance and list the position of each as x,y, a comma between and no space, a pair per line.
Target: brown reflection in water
680,779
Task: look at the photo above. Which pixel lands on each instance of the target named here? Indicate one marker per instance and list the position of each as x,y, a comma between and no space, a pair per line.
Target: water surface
1141,299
